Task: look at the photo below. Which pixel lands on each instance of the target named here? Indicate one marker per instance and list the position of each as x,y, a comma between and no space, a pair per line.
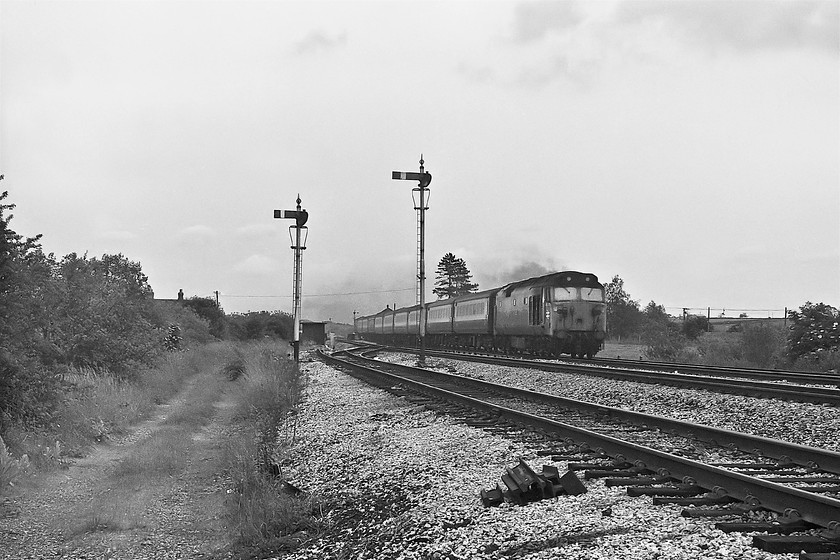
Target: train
549,315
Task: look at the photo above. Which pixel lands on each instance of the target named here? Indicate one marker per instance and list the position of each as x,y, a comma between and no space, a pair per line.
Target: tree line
96,313
810,342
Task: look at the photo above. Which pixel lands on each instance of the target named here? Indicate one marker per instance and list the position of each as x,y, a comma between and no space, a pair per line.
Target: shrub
10,468
814,328
192,329
662,335
762,344
694,326
720,350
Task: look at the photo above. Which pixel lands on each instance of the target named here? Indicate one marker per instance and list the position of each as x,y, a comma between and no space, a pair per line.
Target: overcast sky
690,147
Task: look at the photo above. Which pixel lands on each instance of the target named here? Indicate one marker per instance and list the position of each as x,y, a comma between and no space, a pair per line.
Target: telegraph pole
423,179
300,216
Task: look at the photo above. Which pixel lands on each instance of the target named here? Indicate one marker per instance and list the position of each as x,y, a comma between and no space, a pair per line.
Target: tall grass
11,468
265,511
144,472
98,405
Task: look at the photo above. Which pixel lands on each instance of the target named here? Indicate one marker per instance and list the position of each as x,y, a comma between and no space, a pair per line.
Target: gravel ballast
810,424
400,481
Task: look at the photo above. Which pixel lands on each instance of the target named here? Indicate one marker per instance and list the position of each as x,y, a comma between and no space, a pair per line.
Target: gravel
803,423
399,481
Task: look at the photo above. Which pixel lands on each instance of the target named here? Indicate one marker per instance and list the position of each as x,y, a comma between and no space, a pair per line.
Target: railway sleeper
826,542
819,556
707,499
797,526
737,508
617,473
638,481
679,490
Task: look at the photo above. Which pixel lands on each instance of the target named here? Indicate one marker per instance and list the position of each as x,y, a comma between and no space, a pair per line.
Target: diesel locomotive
558,313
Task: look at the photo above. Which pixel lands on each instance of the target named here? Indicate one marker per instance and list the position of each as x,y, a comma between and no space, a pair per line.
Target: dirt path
90,511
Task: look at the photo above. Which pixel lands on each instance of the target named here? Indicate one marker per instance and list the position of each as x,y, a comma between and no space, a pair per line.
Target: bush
192,329
663,337
819,361
762,344
720,350
694,326
814,330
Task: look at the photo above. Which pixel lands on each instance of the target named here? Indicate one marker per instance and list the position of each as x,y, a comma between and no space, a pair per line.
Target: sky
690,147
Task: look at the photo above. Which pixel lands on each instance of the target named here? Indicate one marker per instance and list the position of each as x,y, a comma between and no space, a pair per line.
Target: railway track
798,377
799,483
764,383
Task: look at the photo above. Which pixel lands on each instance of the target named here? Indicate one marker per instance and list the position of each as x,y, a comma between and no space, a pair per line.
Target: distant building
316,331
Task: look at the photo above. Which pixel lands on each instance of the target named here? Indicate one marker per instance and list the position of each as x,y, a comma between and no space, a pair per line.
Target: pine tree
453,278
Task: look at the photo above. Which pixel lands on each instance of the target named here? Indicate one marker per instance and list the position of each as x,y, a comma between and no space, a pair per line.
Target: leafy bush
259,325
814,330
694,326
192,329
720,350
210,311
662,335
60,314
762,344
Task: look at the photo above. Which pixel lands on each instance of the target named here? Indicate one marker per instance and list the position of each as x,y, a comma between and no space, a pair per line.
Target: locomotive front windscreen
565,294
591,294
571,294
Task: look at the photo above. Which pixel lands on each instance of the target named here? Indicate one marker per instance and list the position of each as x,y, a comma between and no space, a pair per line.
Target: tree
453,278
662,335
209,310
103,317
761,343
623,315
27,391
694,325
814,329
257,325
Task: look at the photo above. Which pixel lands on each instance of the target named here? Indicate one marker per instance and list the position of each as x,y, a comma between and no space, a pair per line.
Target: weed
10,468
265,512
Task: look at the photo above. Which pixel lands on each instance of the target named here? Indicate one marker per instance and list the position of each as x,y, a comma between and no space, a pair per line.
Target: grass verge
266,514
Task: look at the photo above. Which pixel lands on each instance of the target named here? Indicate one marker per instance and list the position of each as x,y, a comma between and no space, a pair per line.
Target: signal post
423,179
300,216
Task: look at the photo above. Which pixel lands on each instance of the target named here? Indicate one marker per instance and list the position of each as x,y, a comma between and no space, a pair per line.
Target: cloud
534,20
576,42
318,41
776,24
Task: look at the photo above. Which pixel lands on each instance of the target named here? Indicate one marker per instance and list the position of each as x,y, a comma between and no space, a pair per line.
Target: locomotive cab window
591,294
565,294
